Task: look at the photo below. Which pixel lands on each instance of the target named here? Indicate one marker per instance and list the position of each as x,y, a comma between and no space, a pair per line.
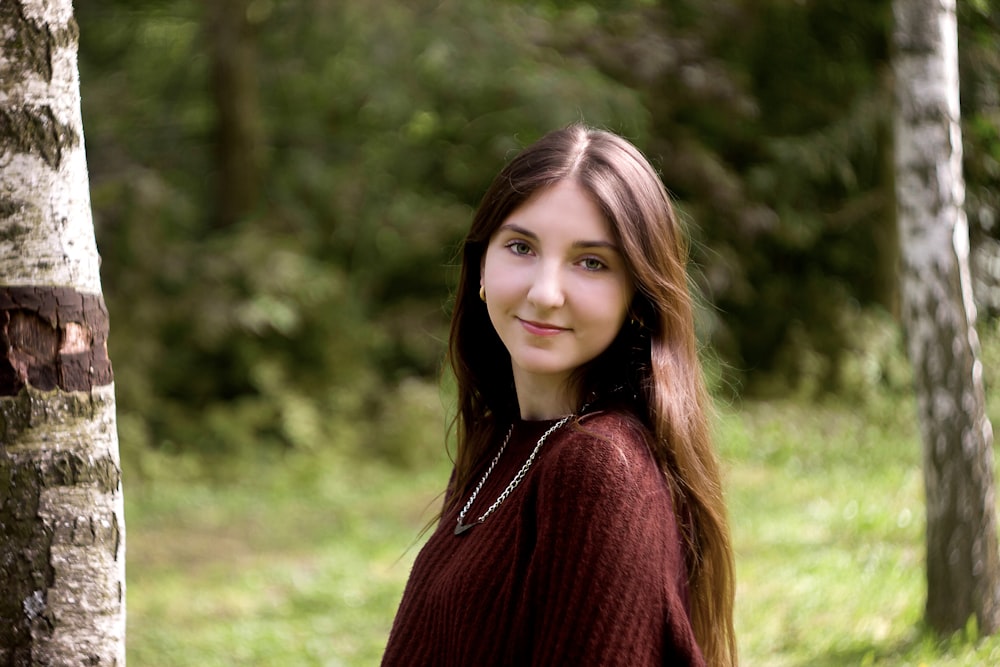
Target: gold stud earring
482,293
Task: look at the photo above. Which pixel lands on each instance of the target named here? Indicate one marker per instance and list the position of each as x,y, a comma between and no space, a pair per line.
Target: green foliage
769,121
979,67
411,429
870,368
380,125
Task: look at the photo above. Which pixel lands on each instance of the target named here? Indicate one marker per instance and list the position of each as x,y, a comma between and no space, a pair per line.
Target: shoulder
614,426
600,485
604,452
606,437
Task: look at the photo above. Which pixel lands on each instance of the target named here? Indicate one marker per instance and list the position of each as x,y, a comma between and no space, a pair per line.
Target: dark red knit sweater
583,564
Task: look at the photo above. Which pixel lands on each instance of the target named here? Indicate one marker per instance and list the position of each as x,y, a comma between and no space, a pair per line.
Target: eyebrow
610,245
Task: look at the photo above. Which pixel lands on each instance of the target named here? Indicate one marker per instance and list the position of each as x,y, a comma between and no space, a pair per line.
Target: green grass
826,504
301,560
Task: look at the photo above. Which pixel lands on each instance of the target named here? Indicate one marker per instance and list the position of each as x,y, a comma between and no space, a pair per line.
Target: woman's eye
519,247
592,264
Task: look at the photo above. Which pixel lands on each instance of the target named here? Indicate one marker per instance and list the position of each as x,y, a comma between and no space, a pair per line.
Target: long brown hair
654,358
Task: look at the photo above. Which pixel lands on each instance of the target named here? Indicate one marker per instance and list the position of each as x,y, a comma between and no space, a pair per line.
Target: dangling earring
482,293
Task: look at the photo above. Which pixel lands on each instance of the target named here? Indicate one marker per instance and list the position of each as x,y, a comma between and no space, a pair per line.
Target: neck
544,400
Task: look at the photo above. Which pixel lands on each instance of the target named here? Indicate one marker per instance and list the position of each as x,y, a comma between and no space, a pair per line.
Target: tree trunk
234,91
963,565
62,546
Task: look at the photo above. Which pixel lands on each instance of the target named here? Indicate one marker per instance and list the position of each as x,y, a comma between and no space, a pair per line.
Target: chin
542,369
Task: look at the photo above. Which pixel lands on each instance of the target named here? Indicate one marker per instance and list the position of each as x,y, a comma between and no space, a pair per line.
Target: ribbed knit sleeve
607,579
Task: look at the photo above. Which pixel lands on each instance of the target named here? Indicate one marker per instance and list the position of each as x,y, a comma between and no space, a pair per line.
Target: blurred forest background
279,191
280,188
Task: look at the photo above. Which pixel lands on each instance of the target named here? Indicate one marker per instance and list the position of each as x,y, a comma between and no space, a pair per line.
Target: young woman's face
557,288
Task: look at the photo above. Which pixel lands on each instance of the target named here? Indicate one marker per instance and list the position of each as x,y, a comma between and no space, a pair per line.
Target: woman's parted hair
652,366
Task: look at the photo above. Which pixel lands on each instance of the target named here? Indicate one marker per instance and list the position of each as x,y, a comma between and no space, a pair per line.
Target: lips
541,328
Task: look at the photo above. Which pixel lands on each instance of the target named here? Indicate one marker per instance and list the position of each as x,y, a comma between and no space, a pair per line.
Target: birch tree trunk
62,547
963,565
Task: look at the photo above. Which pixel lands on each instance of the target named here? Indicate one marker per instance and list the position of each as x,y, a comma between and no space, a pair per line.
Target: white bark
53,203
72,439
963,564
62,530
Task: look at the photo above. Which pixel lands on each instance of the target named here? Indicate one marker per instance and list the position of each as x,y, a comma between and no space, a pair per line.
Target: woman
584,523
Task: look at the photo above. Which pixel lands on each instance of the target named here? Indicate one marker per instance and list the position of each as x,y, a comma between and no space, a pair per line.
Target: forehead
563,210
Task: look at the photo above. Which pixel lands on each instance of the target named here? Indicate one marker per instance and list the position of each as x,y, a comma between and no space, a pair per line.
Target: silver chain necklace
462,527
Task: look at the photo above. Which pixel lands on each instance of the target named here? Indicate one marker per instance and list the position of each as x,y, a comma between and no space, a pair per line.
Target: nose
546,289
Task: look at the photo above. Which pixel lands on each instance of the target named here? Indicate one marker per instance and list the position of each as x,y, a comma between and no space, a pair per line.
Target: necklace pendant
462,527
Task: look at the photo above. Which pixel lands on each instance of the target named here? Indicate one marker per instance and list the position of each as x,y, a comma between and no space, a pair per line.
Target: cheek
617,300
607,310
497,283
620,314
501,279
488,270
491,280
